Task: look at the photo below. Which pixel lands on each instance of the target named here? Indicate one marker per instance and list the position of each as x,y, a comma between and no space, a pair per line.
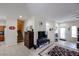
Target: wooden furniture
29,39
2,33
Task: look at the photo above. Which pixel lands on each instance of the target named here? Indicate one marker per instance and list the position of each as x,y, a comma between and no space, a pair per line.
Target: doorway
20,30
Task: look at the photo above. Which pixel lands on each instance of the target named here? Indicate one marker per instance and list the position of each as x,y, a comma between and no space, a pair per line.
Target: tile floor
21,50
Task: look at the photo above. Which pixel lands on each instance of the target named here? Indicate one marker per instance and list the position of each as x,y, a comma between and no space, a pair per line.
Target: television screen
41,34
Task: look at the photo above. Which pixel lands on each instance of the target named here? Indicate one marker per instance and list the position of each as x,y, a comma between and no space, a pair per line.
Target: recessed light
20,16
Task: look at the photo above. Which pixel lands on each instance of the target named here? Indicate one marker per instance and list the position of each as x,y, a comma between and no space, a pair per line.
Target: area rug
58,51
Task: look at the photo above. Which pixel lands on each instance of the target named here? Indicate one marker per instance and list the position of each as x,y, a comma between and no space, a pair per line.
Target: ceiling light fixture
20,16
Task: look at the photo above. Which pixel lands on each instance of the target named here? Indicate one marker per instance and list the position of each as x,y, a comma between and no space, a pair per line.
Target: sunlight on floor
68,44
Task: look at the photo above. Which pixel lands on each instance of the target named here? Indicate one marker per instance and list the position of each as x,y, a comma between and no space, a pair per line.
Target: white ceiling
54,11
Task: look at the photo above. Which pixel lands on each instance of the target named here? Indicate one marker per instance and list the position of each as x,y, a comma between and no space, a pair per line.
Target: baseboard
63,39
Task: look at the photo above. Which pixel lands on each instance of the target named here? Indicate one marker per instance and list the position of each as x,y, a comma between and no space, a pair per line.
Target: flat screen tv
41,34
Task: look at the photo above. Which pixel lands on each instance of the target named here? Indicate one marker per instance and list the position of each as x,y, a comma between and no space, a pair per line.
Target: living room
47,29
61,30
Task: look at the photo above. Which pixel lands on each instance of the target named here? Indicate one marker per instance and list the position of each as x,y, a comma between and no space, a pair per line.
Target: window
62,33
74,31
